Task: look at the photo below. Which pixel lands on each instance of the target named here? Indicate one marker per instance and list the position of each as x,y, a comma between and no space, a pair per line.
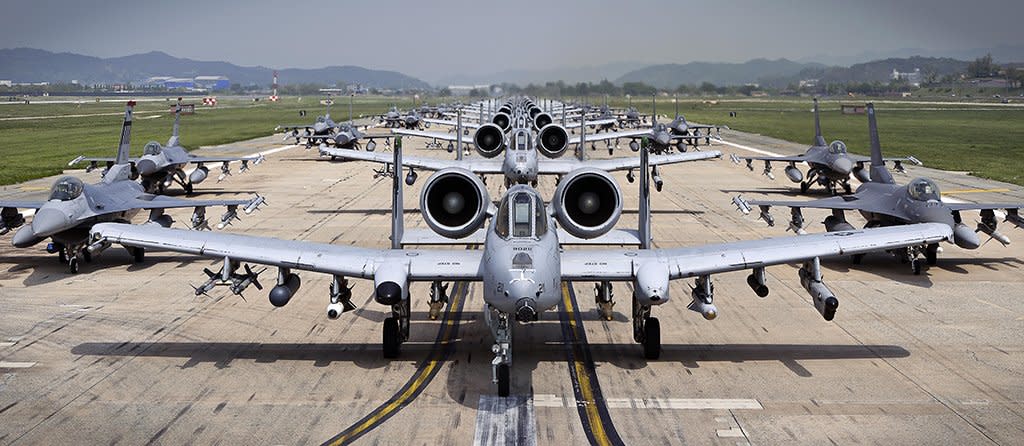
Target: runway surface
126,354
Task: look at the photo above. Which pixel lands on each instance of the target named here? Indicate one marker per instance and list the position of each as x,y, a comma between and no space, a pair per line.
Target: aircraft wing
293,127
432,135
83,159
223,159
594,265
590,137
349,261
485,166
983,206
867,159
564,166
595,122
21,204
844,202
471,125
782,159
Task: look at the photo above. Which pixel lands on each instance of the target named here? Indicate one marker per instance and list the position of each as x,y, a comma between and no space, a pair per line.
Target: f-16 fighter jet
74,207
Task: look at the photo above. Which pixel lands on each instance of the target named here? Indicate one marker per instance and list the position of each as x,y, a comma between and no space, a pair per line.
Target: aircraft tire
504,381
390,338
652,338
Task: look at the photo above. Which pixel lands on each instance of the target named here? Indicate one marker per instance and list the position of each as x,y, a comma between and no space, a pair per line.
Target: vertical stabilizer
126,135
177,123
818,139
644,214
458,133
879,174
397,204
654,110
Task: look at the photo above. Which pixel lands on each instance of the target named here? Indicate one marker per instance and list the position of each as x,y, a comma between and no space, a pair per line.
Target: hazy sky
433,38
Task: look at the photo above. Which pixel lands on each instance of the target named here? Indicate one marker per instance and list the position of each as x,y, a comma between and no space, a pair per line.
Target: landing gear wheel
503,380
87,256
804,186
62,256
138,255
390,339
652,338
931,254
73,265
857,258
915,266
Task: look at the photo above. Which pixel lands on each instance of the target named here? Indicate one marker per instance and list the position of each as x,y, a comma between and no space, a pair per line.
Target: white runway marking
6,344
548,400
16,365
733,432
505,421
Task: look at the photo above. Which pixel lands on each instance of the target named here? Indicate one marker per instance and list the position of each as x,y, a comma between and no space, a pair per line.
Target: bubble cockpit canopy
152,148
837,147
66,189
923,189
524,213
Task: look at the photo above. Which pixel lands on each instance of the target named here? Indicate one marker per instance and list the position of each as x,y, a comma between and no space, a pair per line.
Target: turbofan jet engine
587,203
542,120
454,202
489,140
502,120
552,141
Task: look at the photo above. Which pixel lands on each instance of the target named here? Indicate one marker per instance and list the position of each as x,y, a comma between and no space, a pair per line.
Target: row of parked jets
526,237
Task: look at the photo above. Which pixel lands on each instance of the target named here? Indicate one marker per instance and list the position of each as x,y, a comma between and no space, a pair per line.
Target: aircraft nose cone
146,166
341,139
389,293
842,166
662,139
49,221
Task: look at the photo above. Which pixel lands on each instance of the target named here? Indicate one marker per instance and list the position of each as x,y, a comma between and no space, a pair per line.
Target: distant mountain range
32,65
718,73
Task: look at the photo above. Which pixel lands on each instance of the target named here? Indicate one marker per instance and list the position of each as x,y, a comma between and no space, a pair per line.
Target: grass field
985,139
34,148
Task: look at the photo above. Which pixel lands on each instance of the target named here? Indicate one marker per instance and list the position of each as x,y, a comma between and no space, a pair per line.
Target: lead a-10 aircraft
162,166
74,207
829,165
522,264
882,202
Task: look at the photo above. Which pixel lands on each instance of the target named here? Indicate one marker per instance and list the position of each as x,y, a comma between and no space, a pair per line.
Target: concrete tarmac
126,354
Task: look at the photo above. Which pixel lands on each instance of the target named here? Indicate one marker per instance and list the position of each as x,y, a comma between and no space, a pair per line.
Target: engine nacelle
281,294
454,202
489,140
502,120
391,283
199,175
542,120
794,174
552,141
651,285
587,202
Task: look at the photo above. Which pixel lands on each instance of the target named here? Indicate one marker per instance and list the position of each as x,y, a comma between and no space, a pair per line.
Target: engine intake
502,120
489,140
542,120
587,203
552,141
454,202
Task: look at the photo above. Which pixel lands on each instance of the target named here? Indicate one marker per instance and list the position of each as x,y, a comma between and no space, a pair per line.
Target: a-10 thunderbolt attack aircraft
74,207
161,166
523,133
829,165
522,264
882,202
